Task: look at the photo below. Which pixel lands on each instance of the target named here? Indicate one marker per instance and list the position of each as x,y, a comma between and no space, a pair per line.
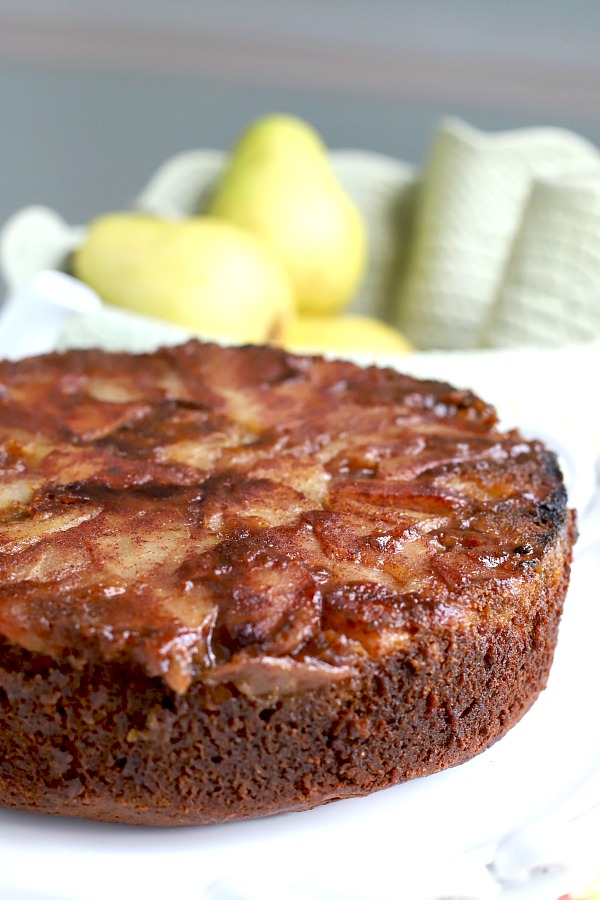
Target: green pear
279,184
205,274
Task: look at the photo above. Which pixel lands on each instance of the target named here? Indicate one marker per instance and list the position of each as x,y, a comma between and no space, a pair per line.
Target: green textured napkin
489,204
550,293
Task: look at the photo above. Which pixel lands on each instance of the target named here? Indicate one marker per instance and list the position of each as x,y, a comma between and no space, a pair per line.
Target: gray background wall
94,94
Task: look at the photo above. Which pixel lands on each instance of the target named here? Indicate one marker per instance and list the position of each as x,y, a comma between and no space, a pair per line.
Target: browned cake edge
112,743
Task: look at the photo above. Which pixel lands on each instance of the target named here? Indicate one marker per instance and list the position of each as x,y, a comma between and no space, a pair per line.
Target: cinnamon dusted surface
243,515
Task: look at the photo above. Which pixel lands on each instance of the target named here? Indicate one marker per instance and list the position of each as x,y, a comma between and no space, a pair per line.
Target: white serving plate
518,821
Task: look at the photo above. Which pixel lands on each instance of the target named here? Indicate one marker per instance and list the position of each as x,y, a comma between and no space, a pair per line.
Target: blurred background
96,93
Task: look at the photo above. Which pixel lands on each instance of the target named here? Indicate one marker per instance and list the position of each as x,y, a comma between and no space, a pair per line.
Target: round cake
235,581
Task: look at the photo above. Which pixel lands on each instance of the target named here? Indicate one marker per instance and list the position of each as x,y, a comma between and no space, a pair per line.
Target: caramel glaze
245,515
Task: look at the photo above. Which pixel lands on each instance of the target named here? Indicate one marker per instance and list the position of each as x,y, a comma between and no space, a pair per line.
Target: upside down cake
235,581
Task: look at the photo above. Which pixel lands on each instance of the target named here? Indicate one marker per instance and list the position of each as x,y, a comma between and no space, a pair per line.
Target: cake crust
235,581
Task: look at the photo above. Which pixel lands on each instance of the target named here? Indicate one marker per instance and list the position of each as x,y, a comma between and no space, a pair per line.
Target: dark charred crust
552,512
256,561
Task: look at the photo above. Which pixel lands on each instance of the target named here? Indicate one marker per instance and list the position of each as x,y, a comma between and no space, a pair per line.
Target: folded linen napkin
487,202
550,293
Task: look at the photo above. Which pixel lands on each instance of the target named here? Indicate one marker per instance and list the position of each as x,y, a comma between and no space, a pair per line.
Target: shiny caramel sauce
246,515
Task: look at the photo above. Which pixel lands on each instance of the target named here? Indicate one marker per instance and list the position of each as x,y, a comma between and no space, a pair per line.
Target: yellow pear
279,184
360,334
202,273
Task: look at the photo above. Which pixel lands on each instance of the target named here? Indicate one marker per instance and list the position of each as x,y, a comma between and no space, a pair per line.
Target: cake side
114,744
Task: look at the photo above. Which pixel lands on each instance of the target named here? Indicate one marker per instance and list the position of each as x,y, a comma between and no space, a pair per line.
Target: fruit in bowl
264,244
353,333
279,184
202,273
